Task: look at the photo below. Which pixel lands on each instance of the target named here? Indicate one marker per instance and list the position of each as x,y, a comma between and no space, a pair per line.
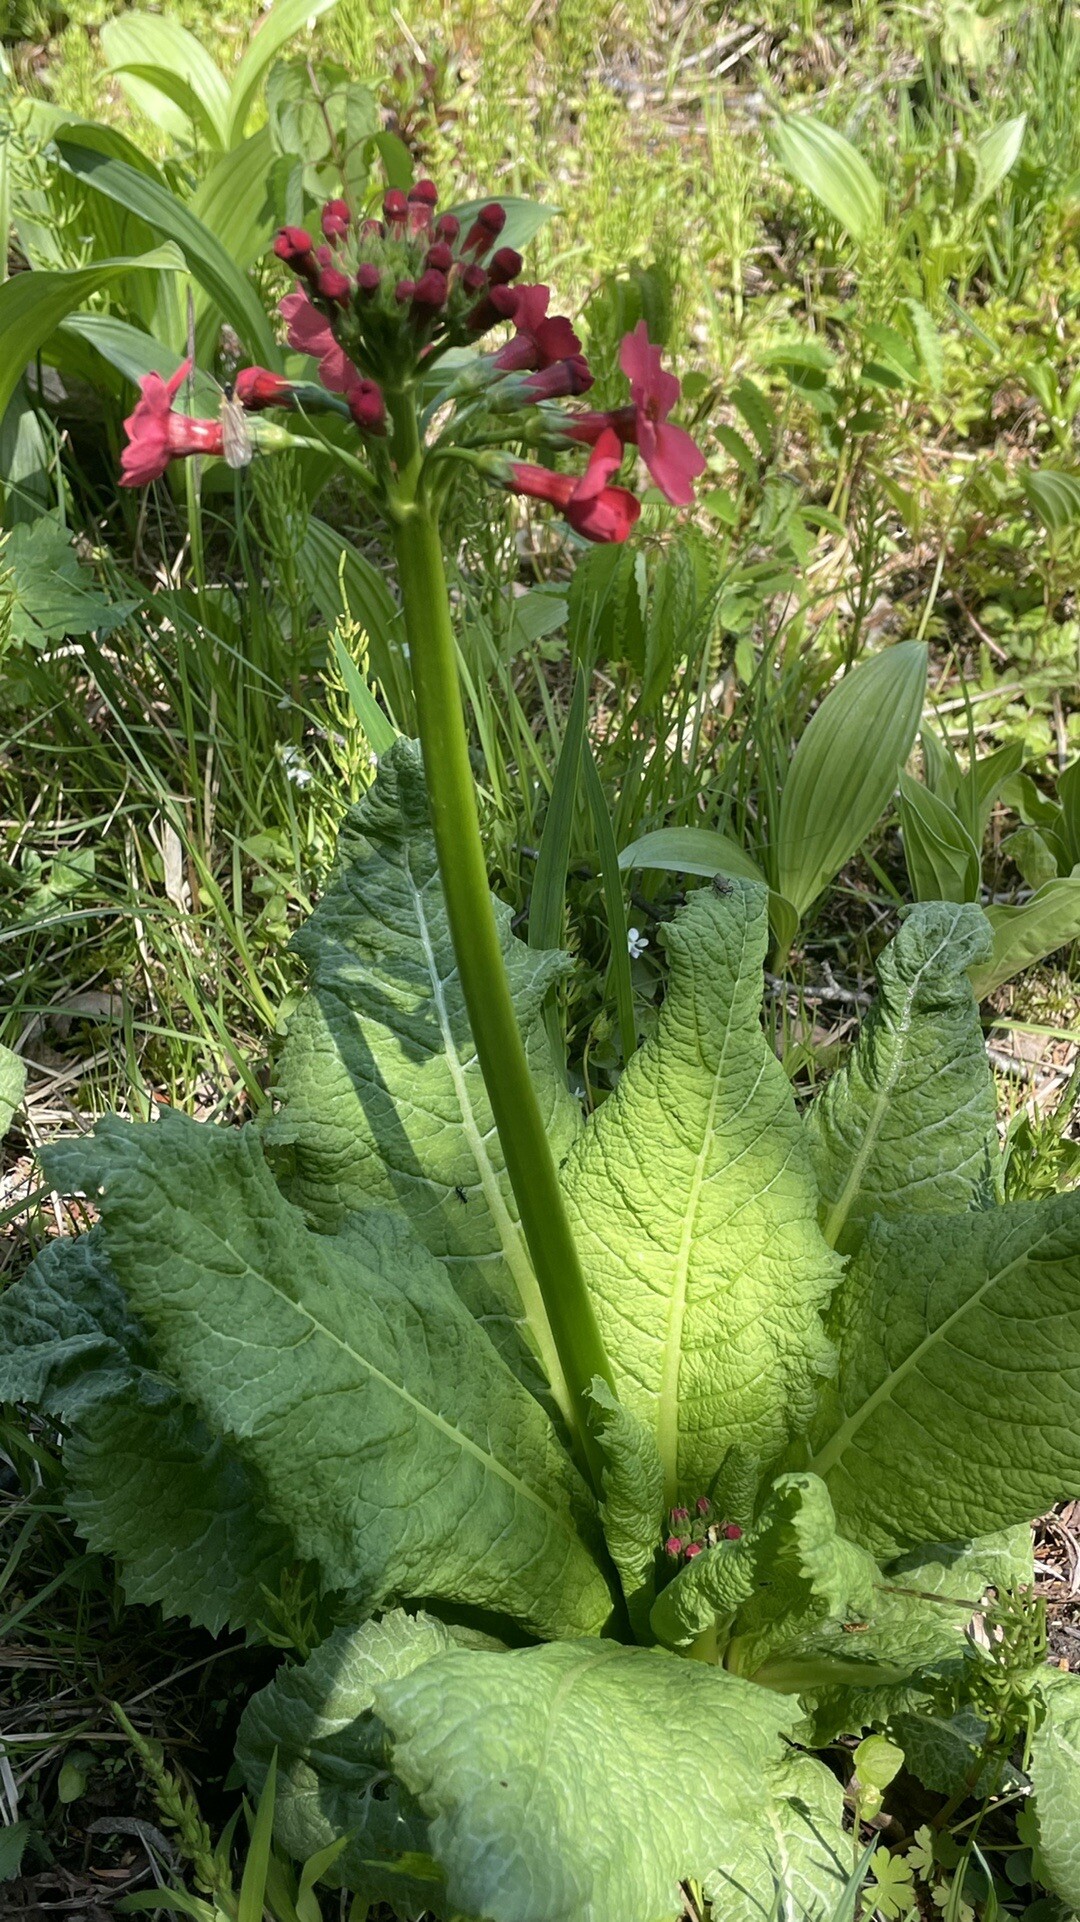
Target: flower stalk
568,1333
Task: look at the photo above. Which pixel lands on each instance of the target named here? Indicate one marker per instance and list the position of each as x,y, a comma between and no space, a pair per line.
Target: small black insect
461,1195
721,884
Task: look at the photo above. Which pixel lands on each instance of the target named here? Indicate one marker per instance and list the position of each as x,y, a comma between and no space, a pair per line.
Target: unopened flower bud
373,230
335,286
440,257
257,387
447,228
395,208
336,219
429,294
485,229
570,376
404,291
703,1504
367,407
692,1549
293,246
423,198
323,254
673,1545
368,278
732,1532
504,266
474,280
680,1514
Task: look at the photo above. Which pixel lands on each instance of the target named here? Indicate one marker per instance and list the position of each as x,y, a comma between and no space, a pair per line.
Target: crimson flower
670,455
540,338
599,512
310,334
156,435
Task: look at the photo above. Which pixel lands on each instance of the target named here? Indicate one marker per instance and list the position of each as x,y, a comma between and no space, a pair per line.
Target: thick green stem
562,1315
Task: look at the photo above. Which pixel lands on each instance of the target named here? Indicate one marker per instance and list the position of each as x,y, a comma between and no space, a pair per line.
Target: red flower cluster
382,297
683,1547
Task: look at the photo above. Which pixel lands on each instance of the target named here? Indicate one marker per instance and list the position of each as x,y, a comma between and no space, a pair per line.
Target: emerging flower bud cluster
690,1535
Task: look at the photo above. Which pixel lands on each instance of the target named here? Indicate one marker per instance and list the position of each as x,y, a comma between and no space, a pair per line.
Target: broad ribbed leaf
1026,934
807,1861
278,26
908,1125
844,770
583,1782
333,1764
693,1200
691,851
398,1451
1055,1775
957,1409
167,73
941,858
383,1101
632,1509
135,1451
33,305
12,1086
830,168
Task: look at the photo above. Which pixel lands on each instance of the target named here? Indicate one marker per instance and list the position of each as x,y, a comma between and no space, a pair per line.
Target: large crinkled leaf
695,1208
632,1508
912,1645
957,1406
948,1754
383,1101
582,1782
808,1856
333,1765
907,1126
400,1453
775,1585
1055,1775
146,1480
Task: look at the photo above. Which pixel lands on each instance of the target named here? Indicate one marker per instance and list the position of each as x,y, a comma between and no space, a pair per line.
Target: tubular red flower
539,338
156,435
310,334
336,219
292,245
670,455
504,266
485,229
599,512
367,407
571,376
257,387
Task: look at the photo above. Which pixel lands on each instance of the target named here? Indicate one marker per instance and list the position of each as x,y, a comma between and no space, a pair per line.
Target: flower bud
429,294
495,306
731,1532
504,266
368,279
367,407
336,219
703,1504
323,254
373,230
674,1545
422,200
395,209
485,229
447,228
439,257
293,246
692,1549
404,291
680,1514
257,387
336,286
570,376
474,280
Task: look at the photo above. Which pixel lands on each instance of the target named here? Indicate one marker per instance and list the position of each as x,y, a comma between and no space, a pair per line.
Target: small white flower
295,766
636,942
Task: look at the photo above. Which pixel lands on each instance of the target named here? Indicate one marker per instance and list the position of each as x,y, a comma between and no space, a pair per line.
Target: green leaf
1055,1775
942,859
632,1505
1029,933
828,166
995,154
32,305
12,1087
583,1782
1035,859
334,1774
168,75
945,1752
379,732
398,1451
691,851
693,1200
383,1101
1054,496
844,769
69,1345
53,593
344,583
954,1361
134,354
909,1123
207,259
807,1868
278,26
547,906
14,1837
